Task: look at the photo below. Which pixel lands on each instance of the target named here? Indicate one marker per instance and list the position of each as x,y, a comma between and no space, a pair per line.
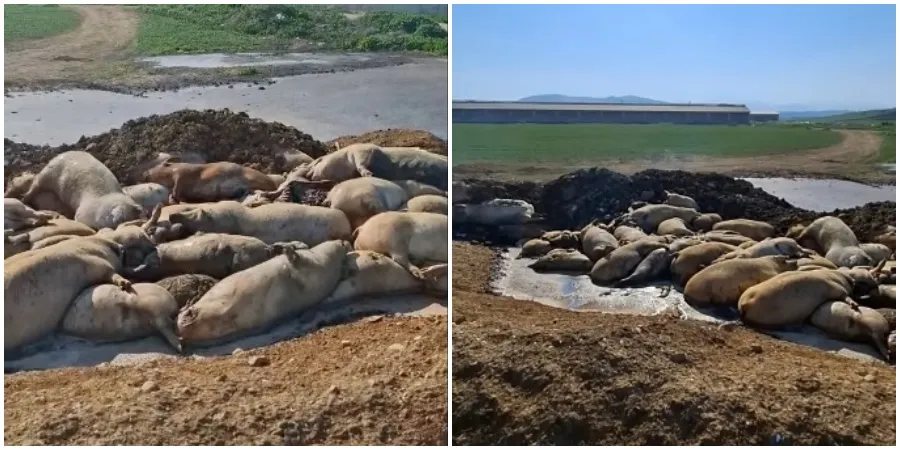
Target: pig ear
434,272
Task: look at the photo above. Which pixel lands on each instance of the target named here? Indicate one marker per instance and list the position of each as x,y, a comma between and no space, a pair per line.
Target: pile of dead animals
86,257
819,273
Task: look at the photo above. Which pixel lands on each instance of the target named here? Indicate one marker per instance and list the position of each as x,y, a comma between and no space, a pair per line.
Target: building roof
764,113
681,107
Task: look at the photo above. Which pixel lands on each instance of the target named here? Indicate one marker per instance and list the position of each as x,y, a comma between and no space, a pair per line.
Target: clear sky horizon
767,56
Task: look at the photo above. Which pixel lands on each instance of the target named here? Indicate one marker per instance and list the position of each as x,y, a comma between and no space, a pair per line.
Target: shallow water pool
824,195
323,105
578,293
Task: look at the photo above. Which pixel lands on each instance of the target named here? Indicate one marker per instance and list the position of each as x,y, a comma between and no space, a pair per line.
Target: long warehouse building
521,112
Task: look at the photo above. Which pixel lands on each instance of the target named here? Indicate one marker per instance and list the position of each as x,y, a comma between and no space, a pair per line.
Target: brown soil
105,34
851,159
217,135
382,382
399,137
525,374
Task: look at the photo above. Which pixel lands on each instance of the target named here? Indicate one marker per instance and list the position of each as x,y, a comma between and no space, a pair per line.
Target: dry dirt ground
851,159
366,383
524,373
105,34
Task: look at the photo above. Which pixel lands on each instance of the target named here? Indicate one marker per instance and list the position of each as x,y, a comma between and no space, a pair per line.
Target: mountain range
786,112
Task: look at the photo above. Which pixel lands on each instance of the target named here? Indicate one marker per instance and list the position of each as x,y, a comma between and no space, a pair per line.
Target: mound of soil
188,288
528,374
395,137
574,200
217,135
366,383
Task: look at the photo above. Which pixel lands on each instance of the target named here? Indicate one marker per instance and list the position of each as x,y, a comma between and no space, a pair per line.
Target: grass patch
162,35
167,29
535,144
36,21
887,153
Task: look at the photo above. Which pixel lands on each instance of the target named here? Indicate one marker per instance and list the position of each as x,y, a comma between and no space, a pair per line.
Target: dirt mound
187,289
217,135
573,200
395,137
367,383
529,374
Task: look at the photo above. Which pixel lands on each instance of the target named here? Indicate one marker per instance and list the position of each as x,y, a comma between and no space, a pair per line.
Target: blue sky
767,56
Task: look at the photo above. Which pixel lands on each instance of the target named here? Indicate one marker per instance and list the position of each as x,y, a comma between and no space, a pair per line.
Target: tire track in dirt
105,34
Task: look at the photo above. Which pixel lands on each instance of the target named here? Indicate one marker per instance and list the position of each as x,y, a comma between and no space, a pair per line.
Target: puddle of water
323,105
824,195
65,351
577,292
221,60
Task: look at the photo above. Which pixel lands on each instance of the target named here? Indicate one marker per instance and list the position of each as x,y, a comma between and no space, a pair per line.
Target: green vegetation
167,29
887,153
874,116
36,21
527,143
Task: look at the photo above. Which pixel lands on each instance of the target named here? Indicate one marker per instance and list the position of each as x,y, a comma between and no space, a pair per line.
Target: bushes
374,31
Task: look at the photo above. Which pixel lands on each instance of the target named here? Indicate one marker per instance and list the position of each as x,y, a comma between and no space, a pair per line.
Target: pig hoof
122,283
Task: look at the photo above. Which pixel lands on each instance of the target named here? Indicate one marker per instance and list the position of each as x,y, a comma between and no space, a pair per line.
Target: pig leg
404,261
167,328
17,239
121,282
175,195
361,167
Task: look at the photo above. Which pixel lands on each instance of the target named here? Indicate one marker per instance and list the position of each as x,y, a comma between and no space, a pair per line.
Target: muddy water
824,195
577,292
65,351
323,105
217,60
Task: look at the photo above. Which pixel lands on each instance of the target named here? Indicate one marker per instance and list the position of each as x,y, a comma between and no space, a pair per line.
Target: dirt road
365,383
105,34
525,374
99,55
851,159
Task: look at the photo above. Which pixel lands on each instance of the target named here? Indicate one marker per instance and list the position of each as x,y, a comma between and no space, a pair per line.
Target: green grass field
170,29
36,21
887,153
531,143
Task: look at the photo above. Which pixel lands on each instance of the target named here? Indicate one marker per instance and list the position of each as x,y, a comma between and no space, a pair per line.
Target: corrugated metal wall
620,117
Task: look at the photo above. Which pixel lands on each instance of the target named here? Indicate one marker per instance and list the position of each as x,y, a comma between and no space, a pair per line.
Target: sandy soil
374,382
851,159
524,373
105,34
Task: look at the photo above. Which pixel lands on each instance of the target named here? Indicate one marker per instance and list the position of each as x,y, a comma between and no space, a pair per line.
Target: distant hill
872,115
558,98
807,115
